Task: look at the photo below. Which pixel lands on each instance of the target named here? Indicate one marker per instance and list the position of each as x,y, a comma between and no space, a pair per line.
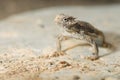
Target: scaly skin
81,30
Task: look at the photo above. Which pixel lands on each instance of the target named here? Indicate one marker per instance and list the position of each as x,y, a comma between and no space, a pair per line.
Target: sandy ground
27,45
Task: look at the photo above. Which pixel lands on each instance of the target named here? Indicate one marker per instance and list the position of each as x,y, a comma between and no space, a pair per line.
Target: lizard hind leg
95,50
101,41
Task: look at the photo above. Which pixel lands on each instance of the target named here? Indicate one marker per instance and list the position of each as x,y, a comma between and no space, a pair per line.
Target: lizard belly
80,36
74,35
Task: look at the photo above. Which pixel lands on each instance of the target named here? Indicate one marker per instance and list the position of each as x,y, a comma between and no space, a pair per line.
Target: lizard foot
54,54
92,58
58,53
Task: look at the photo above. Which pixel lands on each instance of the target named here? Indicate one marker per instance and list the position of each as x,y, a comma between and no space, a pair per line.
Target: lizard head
64,20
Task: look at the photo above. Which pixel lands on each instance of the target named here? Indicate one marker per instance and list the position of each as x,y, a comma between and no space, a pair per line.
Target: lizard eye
65,20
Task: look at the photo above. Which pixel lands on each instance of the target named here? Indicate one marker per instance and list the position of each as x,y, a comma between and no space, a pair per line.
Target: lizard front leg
59,51
60,38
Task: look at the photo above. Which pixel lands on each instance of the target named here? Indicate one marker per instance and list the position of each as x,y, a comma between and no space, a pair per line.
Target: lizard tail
109,46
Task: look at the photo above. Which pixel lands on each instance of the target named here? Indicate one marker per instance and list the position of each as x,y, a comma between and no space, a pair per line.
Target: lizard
81,30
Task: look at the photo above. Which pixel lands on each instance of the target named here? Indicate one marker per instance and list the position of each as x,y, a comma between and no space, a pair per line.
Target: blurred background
9,7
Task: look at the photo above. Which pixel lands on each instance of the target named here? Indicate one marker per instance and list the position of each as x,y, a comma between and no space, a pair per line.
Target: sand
27,46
